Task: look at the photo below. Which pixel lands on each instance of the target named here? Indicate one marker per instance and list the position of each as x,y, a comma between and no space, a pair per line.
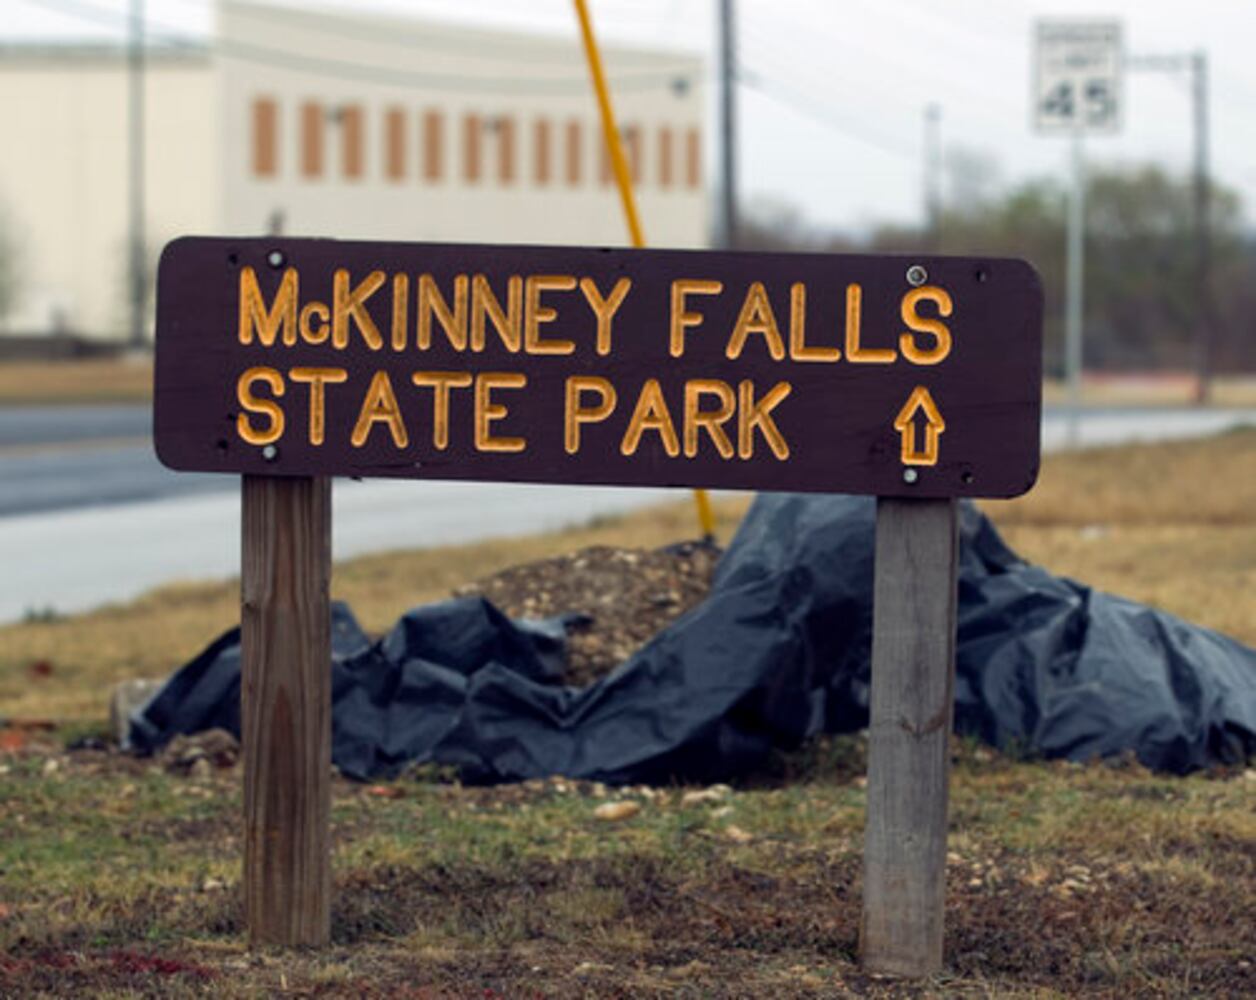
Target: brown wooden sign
885,375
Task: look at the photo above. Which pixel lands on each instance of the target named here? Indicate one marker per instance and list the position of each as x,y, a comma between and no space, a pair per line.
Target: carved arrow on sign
919,403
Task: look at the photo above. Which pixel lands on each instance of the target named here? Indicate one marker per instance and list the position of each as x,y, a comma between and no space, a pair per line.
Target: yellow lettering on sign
267,323
487,412
712,420
380,407
681,318
264,407
935,328
919,402
799,350
309,333
400,310
756,316
349,303
650,414
316,379
441,383
453,321
534,314
574,414
855,353
508,322
752,416
605,308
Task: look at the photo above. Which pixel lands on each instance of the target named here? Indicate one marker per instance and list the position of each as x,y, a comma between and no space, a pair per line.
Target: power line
281,59
979,99
972,31
827,79
806,85
782,94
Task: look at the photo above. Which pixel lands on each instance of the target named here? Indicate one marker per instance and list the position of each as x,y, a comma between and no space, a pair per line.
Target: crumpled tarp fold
778,652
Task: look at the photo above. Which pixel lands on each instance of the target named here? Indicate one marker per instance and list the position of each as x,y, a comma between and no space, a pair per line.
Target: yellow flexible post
706,518
618,164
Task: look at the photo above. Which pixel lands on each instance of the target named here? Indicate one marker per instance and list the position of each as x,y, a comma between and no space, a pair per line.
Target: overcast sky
834,124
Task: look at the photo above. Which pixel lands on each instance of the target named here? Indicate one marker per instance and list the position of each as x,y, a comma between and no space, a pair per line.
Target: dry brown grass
1153,390
1203,574
1208,481
118,878
1173,525
163,629
126,380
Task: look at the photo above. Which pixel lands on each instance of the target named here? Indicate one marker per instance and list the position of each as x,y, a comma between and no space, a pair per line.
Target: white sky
867,68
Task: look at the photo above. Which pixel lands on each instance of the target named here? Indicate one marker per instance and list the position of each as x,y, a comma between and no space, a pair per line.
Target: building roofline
191,51
328,15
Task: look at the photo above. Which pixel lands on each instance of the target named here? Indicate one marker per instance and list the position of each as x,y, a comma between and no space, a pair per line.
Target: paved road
60,458
75,559
1120,425
61,478
48,425
84,521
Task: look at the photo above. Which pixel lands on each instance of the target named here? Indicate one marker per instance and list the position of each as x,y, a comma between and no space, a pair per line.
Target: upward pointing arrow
920,403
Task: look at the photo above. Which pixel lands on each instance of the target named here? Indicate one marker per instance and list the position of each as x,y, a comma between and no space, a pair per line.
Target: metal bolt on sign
917,276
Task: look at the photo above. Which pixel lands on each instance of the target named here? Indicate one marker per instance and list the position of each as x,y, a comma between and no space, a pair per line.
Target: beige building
330,124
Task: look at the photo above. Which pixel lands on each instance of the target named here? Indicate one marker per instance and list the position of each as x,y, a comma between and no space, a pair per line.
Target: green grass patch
118,878
1060,878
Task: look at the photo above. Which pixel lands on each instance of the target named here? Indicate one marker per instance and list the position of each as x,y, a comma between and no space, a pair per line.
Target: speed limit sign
1077,77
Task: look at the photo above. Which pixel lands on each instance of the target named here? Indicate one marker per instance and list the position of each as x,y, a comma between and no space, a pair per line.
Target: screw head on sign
275,258
270,453
910,475
917,276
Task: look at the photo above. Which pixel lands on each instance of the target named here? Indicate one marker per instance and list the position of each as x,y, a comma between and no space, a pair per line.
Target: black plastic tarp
778,652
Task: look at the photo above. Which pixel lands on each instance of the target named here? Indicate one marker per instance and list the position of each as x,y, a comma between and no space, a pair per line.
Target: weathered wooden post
285,717
913,680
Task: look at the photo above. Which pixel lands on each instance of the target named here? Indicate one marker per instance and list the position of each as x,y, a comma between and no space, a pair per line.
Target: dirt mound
627,595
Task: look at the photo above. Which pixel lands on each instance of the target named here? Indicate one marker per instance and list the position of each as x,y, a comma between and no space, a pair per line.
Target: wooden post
913,682
285,713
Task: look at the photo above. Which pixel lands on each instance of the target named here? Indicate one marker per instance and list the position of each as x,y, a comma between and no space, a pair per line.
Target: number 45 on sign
1077,78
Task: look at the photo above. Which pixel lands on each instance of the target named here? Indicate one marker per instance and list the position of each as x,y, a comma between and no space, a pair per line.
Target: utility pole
1196,63
933,177
728,125
135,91
1203,231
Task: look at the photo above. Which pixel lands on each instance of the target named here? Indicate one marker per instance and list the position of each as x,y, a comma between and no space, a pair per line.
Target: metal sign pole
1203,236
1078,68
1074,288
